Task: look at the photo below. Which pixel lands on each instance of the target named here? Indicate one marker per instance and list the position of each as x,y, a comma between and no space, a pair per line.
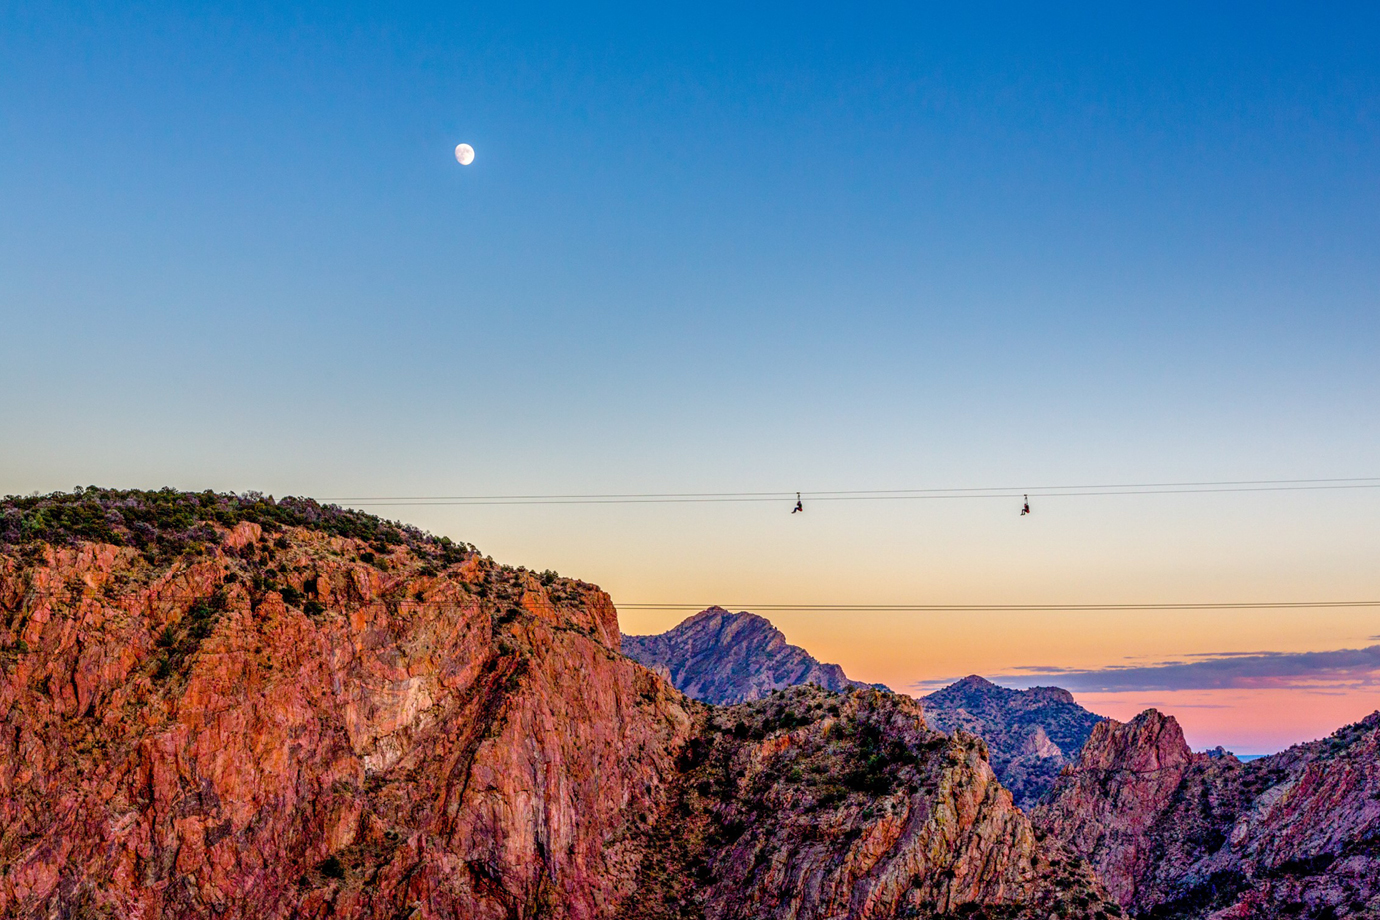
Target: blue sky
717,247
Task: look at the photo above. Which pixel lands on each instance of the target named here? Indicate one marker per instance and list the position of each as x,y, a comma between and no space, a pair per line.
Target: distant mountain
1030,734
1177,834
724,658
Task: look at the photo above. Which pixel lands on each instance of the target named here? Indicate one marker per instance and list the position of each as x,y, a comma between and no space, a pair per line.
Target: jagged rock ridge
1179,834
238,711
1032,733
722,657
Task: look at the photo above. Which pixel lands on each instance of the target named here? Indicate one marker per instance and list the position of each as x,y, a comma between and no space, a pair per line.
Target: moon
464,154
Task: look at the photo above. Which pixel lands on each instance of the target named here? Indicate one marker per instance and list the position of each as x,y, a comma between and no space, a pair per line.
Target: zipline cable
169,593
940,608
990,492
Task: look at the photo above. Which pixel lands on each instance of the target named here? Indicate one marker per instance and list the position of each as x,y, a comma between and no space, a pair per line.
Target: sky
744,248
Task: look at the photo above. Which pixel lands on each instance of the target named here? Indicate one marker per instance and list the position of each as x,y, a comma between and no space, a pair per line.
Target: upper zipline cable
837,495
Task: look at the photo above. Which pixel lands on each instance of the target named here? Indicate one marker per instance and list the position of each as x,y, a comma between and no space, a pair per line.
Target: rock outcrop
1032,734
814,804
1179,834
227,706
722,657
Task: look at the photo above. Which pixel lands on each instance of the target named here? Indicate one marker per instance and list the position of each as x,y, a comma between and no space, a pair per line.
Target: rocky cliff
814,804
1179,834
227,706
722,657
269,720
1032,733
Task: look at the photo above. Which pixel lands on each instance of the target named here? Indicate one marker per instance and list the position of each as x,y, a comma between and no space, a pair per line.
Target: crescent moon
464,154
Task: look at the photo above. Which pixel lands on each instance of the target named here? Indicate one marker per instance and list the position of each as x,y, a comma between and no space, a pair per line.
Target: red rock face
1105,807
455,745
298,724
1194,835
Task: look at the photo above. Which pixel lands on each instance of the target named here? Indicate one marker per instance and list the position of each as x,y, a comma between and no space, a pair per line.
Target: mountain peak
1150,742
723,657
709,613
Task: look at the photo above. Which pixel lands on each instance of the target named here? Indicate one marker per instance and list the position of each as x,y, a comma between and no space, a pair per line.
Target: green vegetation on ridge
167,522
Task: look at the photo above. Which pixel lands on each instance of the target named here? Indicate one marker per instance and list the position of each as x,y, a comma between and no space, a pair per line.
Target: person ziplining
1025,509
799,505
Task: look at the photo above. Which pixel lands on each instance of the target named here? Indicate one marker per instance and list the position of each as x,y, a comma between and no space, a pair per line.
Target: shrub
200,620
831,794
330,867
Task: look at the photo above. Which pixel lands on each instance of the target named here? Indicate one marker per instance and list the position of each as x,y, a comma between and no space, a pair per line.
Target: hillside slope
227,706
814,804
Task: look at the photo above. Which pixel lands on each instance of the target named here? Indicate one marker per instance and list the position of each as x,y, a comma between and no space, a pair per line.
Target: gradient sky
742,247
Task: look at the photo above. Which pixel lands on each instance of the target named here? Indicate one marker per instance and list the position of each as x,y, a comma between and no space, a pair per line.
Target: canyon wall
184,742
